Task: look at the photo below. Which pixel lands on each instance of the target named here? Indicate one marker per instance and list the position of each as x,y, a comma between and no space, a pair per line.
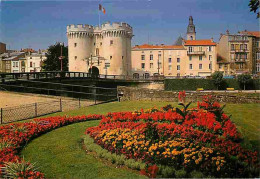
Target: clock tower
191,33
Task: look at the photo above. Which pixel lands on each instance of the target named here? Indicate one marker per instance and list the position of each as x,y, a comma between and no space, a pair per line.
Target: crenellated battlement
116,26
104,27
80,28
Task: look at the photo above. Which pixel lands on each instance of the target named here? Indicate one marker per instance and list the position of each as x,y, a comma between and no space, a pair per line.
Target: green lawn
60,154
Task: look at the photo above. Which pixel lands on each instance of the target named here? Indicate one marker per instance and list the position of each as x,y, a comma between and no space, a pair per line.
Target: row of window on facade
178,59
240,66
15,64
258,55
258,67
236,46
239,56
170,66
111,43
239,37
191,49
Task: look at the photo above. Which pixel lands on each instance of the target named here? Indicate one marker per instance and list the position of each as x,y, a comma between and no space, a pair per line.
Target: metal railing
27,111
196,53
4,77
59,89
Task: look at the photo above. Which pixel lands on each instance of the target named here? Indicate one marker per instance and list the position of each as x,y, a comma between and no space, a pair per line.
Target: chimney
212,39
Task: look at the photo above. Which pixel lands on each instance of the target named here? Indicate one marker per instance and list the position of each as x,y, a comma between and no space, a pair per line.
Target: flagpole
98,17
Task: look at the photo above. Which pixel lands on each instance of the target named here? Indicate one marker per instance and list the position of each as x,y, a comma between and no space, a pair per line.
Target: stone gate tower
104,50
191,32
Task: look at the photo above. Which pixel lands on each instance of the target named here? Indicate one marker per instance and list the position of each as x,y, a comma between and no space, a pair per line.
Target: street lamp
158,65
61,57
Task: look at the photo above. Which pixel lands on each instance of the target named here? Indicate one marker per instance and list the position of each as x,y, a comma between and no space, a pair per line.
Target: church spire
190,20
191,32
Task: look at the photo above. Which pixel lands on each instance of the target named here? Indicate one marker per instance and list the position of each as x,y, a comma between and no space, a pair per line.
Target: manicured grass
60,154
247,119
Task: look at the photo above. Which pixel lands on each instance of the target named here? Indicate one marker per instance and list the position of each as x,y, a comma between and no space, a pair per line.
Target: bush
244,79
188,84
180,173
207,84
196,174
217,78
167,172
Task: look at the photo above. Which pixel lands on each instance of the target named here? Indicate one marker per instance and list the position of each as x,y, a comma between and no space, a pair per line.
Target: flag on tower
101,8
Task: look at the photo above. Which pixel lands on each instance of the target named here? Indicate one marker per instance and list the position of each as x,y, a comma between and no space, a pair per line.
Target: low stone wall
142,94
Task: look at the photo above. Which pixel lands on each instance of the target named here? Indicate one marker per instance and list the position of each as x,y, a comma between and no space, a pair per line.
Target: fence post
35,109
79,102
95,97
1,115
60,105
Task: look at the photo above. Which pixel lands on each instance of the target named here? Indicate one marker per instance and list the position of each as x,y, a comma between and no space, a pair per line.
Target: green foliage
180,173
5,144
53,63
254,5
151,133
244,79
188,84
207,84
196,174
12,169
185,109
217,78
167,172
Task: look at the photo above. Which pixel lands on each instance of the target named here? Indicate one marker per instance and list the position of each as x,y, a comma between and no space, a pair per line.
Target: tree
254,5
53,63
217,78
244,79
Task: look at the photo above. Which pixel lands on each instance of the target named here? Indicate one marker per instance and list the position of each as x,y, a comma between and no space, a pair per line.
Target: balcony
239,50
240,60
196,53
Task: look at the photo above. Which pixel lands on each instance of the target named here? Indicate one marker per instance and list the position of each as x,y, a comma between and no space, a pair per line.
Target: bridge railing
59,89
58,74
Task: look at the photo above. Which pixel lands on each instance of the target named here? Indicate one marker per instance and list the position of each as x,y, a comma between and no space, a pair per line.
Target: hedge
207,84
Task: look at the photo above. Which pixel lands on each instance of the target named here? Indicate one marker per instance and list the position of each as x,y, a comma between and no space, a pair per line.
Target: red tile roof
253,33
148,46
199,42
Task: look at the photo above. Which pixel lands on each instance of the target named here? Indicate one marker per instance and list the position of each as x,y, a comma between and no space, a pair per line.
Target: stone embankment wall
142,94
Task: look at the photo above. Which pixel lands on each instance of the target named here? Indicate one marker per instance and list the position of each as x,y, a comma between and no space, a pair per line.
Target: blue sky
39,24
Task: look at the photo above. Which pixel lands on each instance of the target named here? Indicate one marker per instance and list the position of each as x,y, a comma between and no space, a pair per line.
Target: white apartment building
34,61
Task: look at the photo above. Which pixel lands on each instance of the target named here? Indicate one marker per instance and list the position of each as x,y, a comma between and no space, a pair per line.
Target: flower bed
202,138
13,138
